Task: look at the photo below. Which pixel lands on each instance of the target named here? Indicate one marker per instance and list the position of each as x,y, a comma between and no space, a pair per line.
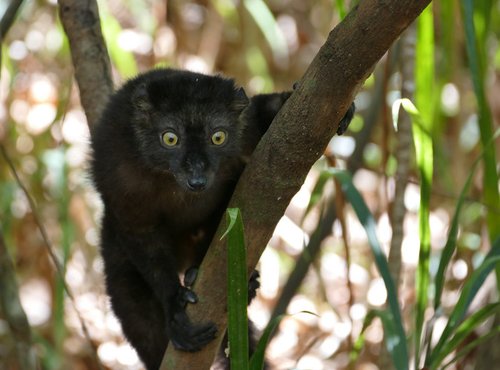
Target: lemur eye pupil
169,138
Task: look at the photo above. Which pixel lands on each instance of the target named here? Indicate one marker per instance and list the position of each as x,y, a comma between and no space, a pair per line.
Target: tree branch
290,147
8,17
81,22
13,310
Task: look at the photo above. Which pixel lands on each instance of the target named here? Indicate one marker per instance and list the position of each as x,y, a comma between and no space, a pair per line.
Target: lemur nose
197,183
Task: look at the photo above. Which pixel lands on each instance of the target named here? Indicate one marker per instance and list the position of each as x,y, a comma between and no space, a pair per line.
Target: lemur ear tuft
240,100
140,98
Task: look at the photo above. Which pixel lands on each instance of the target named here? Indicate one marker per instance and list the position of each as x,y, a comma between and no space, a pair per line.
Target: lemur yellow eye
169,138
219,138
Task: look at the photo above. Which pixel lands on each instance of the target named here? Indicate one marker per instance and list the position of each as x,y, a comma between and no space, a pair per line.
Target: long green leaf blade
424,99
465,328
341,8
317,191
387,323
395,335
257,360
476,57
123,60
450,245
472,345
266,22
360,341
237,291
469,291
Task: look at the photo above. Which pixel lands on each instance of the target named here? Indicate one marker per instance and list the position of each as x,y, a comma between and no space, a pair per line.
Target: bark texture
81,22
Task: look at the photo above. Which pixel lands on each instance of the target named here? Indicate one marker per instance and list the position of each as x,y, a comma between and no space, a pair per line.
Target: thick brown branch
80,19
293,143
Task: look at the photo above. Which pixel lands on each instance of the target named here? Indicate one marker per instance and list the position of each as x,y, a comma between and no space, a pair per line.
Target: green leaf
422,126
123,60
411,109
390,331
360,341
317,191
447,39
232,217
341,8
464,330
257,360
450,246
469,291
237,283
266,22
395,334
470,346
480,11
425,85
227,9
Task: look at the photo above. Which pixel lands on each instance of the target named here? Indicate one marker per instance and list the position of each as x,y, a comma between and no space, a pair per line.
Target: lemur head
188,125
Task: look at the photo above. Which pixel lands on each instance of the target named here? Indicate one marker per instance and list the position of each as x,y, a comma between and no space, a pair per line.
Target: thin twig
8,17
50,250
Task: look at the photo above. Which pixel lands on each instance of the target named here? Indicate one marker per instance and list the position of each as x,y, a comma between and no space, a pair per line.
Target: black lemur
167,153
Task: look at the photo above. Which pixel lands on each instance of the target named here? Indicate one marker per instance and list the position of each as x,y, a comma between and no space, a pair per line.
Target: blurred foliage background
266,46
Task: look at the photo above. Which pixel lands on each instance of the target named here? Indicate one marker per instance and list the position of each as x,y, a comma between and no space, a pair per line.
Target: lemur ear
140,98
240,100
